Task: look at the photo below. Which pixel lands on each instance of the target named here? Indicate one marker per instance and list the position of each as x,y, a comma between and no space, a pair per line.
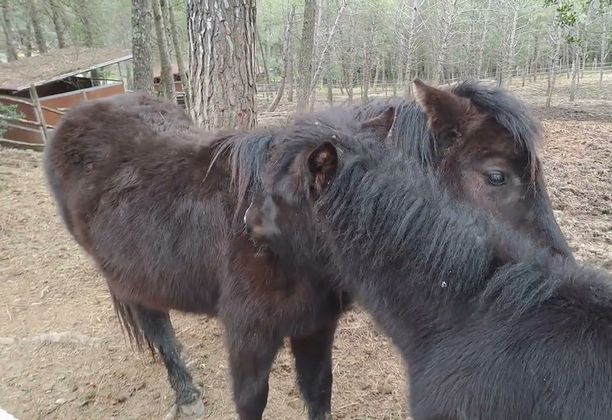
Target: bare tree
9,31
290,74
483,39
180,63
85,10
509,47
410,48
286,53
604,42
555,50
222,63
575,71
35,18
57,15
264,62
321,60
142,52
306,54
446,25
166,77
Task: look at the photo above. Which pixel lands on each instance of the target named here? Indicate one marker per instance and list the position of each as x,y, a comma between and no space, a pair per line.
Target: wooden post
39,113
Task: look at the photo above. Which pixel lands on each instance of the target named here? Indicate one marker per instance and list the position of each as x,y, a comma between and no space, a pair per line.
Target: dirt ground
62,354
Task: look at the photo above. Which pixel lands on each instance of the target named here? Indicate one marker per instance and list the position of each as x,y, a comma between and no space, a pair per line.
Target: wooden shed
45,86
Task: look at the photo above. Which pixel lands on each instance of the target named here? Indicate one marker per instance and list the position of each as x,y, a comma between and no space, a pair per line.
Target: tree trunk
286,54
319,65
9,31
177,50
399,57
410,47
330,87
166,77
57,15
536,57
447,24
555,38
603,46
509,46
376,76
85,13
263,62
317,30
222,63
483,39
26,39
365,72
142,50
306,54
39,34
290,71
575,72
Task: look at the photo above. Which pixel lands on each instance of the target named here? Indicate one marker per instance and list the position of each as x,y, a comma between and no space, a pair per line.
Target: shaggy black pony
154,203
490,326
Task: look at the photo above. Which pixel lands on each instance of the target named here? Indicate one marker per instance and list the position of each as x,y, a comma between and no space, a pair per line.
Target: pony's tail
130,325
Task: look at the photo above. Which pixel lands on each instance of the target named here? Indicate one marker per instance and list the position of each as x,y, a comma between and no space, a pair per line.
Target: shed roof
56,65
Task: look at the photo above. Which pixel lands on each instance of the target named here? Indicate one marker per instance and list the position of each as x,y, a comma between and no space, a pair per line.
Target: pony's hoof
194,410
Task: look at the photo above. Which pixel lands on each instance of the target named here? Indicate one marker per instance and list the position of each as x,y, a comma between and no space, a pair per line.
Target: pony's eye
496,178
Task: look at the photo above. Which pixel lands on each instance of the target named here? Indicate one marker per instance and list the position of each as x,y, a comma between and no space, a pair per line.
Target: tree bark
286,54
222,63
177,50
166,77
57,15
306,54
39,34
9,31
142,51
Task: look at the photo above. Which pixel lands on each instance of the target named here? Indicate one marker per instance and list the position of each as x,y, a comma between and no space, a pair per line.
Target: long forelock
510,113
247,154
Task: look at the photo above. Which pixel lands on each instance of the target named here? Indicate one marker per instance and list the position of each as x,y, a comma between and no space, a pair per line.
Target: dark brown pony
152,203
482,143
490,325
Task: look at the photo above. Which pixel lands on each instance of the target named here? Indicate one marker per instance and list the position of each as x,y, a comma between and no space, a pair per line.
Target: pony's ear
444,110
380,125
322,164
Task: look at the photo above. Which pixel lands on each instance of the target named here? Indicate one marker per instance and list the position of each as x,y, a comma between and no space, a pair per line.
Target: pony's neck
404,247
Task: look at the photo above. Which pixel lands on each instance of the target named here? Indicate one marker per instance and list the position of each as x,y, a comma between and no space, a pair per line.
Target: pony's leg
250,360
158,330
313,363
